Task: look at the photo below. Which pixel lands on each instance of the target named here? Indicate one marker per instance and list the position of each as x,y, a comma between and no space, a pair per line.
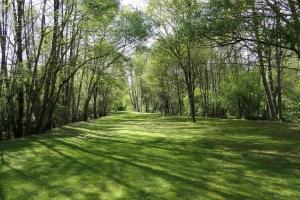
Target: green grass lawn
149,156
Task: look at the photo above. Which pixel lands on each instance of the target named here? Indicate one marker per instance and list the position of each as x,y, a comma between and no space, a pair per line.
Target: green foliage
101,10
225,17
291,84
126,102
243,92
132,26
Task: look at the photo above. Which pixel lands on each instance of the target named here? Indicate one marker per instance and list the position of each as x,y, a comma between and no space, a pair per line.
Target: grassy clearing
148,156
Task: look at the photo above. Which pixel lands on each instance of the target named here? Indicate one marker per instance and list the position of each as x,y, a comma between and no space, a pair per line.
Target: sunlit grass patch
149,156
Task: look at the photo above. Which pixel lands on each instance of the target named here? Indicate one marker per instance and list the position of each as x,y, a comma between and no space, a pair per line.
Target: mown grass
149,156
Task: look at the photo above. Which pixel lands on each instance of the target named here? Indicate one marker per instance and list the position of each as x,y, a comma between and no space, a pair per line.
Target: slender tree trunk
42,123
190,83
278,58
95,94
192,103
19,64
75,116
279,85
191,95
178,94
91,90
267,88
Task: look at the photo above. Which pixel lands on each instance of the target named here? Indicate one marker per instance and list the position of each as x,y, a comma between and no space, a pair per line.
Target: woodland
155,99
64,61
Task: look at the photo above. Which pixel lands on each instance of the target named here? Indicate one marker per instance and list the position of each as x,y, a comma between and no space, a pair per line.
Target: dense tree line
61,61
68,60
221,59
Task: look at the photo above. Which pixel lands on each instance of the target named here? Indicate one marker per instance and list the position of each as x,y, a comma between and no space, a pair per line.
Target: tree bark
267,88
19,66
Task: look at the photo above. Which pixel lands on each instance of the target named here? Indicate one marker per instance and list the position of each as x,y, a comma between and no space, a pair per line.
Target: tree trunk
267,88
19,66
279,85
95,94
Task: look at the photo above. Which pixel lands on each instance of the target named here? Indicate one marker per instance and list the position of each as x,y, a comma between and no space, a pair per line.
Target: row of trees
61,61
68,60
221,58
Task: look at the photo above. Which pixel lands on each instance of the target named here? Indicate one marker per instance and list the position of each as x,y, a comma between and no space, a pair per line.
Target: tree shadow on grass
252,162
119,158
144,163
2,194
